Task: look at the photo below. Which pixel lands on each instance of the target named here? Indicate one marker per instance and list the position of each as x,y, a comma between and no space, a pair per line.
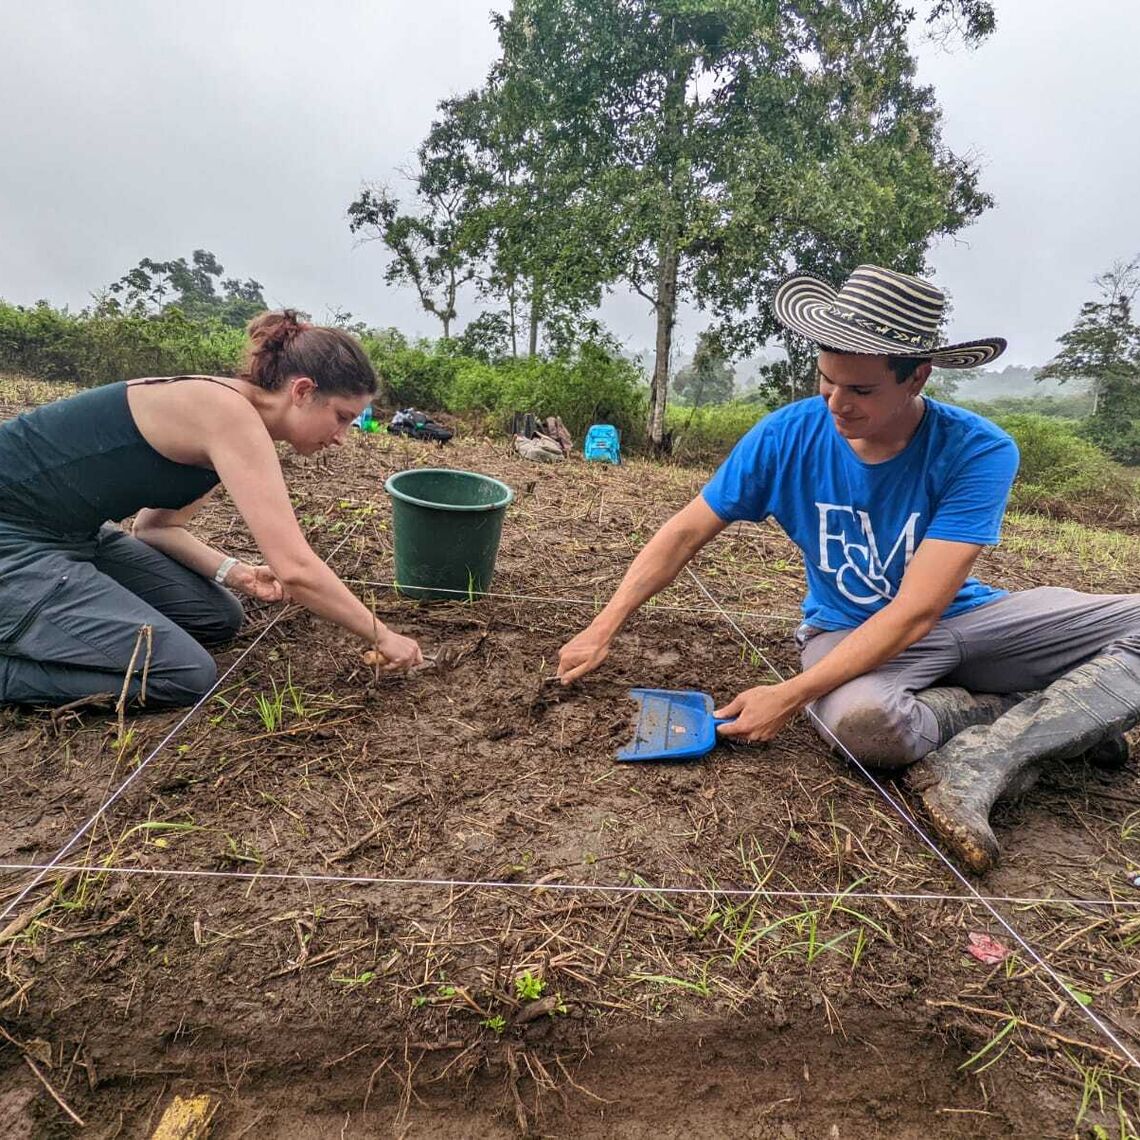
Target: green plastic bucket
446,525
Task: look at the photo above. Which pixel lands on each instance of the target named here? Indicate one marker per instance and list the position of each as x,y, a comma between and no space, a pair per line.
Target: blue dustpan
672,725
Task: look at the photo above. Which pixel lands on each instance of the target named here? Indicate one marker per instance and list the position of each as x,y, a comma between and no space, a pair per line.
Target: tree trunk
666,312
513,309
535,311
668,253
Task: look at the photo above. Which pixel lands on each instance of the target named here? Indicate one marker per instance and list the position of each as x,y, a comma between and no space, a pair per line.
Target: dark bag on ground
418,425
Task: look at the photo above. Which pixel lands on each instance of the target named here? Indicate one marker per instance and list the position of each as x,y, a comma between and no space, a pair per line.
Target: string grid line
900,810
118,793
56,863
563,887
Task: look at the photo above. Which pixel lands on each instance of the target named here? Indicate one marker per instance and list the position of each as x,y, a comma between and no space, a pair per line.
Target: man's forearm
878,640
658,563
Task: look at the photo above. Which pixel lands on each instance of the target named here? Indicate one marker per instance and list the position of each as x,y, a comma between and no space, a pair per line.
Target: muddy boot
1110,755
962,780
955,709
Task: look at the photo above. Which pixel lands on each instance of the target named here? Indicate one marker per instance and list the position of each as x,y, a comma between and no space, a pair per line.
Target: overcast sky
135,128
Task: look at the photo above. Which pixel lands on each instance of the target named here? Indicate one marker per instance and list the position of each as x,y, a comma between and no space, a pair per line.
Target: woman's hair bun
282,346
274,331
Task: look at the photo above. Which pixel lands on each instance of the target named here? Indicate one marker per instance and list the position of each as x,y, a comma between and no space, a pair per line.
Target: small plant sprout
496,1024
366,977
974,1063
528,987
271,710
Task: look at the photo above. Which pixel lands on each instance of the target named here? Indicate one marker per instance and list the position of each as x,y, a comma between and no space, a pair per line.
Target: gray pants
71,610
1019,643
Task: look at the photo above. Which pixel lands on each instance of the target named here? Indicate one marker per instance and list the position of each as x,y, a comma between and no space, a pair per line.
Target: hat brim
801,303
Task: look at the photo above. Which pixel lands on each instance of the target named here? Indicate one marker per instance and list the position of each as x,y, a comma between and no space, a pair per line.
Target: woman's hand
394,653
255,582
760,713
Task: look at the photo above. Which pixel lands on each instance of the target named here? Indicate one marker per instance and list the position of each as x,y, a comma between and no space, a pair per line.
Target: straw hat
876,312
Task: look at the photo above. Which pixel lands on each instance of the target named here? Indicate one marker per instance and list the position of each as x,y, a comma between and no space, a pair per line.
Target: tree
709,378
540,250
429,250
945,382
1103,347
714,143
196,287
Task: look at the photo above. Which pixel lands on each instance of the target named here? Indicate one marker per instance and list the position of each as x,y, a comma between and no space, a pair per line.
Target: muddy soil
251,942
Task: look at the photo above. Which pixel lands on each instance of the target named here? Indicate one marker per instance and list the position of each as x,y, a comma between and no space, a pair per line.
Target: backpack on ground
603,444
418,425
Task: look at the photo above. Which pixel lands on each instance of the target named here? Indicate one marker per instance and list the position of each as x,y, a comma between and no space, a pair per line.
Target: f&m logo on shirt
849,549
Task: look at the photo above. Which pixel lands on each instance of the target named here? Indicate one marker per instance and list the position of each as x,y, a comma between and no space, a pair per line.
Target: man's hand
255,582
760,713
394,653
581,655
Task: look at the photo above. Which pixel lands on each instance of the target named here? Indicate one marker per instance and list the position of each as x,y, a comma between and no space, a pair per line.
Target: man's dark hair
904,367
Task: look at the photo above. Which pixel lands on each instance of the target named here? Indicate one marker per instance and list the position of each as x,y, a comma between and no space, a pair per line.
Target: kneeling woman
75,590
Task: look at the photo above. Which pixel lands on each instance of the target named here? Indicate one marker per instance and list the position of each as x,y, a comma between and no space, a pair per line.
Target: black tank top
70,466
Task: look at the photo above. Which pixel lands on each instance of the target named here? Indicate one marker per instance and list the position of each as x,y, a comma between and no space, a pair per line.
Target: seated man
891,496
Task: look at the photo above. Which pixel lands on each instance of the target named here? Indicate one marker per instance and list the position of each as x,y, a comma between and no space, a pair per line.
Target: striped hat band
876,312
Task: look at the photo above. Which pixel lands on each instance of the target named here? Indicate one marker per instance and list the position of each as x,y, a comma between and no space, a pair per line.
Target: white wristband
227,565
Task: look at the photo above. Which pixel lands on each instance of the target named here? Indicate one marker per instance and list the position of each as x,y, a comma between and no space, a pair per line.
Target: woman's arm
241,452
165,530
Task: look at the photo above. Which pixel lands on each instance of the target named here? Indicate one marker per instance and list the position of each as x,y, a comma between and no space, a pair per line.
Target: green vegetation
1103,347
707,434
588,384
529,987
708,379
686,151
160,318
1072,408
1063,473
196,288
95,348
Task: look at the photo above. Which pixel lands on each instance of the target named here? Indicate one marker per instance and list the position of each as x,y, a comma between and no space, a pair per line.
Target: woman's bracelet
227,565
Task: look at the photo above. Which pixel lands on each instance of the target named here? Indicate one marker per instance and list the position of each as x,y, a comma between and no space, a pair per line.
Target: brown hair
281,347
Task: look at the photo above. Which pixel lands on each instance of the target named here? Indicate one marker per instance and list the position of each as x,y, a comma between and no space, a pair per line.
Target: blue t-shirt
858,524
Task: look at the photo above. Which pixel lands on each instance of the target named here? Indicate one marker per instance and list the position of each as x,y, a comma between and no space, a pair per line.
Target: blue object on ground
672,724
366,421
602,444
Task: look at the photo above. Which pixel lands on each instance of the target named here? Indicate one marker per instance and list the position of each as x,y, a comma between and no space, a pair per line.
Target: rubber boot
962,780
956,709
1110,755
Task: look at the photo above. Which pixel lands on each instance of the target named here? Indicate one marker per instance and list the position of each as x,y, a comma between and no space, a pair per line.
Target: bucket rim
507,495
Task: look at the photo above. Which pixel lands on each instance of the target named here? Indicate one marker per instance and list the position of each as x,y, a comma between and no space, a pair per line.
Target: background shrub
92,349
1064,474
708,433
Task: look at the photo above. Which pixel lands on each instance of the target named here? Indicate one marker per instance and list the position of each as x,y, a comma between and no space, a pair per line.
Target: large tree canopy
726,141
691,149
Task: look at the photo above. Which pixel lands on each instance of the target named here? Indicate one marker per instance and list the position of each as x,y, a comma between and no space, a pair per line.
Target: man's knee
870,725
